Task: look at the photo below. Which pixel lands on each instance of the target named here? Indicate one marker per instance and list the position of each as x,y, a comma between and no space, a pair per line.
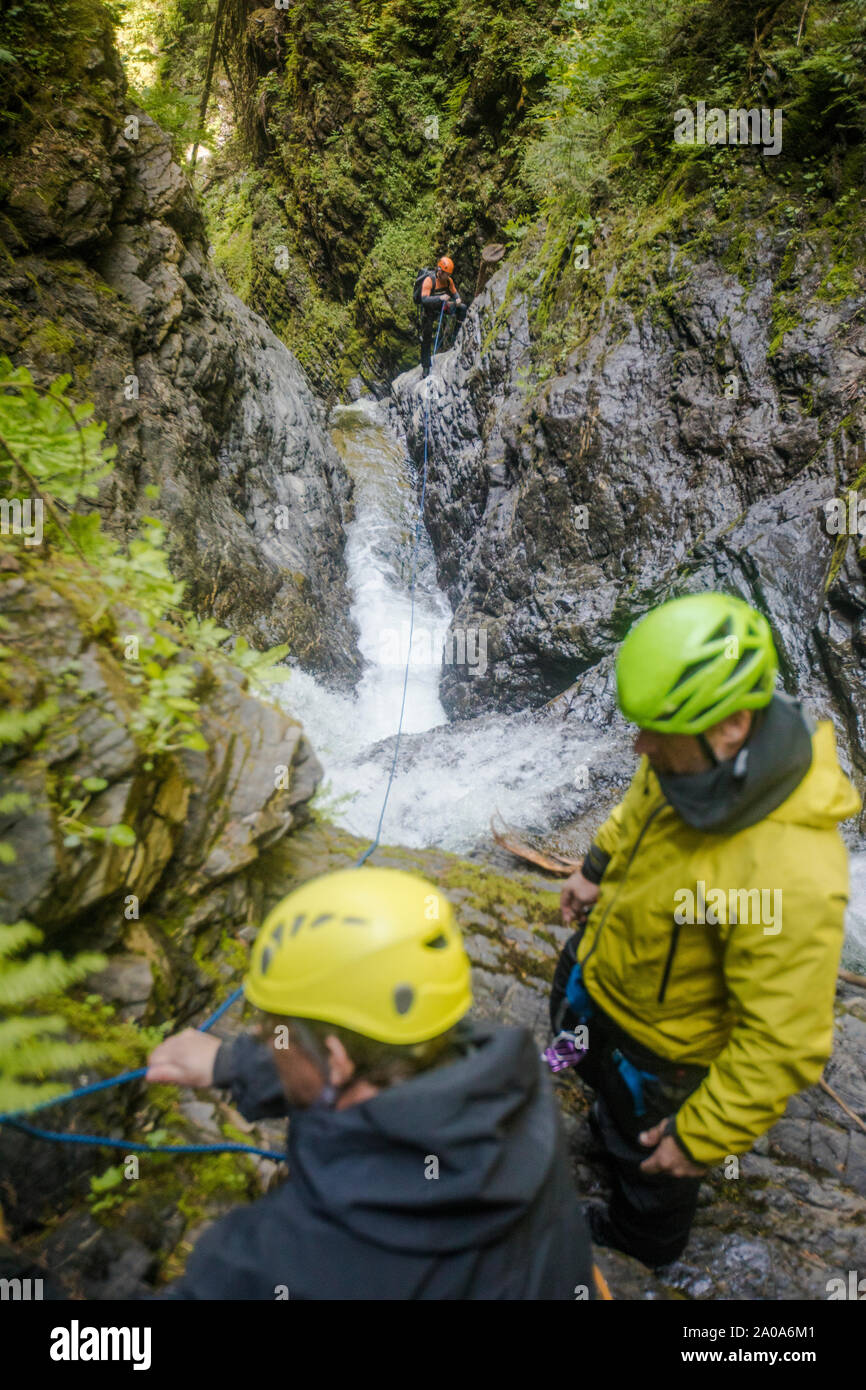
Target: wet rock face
169,908
200,819
684,448
108,278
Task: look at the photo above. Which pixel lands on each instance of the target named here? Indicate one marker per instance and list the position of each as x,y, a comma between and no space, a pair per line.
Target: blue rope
126,1145
218,1013
81,1091
418,528
94,1139
11,1118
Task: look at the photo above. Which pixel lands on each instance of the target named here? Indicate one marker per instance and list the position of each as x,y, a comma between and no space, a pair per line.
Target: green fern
31,1049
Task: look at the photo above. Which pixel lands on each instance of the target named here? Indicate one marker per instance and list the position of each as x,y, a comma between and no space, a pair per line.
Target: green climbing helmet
693,661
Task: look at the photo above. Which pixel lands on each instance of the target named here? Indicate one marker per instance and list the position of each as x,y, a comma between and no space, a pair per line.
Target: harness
565,1050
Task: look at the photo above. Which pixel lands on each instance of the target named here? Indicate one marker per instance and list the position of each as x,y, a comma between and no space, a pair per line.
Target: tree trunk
208,78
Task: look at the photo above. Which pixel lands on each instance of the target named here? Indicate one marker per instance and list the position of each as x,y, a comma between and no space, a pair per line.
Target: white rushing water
450,778
379,543
449,782
854,955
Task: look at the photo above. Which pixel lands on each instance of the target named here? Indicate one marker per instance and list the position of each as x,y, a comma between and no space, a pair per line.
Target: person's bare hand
187,1059
576,898
667,1156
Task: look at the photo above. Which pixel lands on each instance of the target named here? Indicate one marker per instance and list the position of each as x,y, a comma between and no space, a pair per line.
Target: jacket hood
825,796
787,770
490,1122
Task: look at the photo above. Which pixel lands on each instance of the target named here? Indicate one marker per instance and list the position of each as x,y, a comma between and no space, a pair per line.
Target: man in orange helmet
437,291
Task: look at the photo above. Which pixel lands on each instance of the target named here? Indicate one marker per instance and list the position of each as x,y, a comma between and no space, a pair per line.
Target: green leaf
112,1177
196,742
17,725
121,835
94,784
33,1048
157,1136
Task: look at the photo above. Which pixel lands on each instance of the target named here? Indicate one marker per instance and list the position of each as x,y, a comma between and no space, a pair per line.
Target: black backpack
419,281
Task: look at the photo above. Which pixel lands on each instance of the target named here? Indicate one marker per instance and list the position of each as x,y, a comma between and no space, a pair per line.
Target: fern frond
14,1031
44,974
16,936
45,1057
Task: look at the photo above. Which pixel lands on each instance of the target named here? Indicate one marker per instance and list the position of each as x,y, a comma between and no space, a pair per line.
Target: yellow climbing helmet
374,950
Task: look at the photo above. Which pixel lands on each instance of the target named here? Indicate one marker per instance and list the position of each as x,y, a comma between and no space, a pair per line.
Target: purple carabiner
564,1052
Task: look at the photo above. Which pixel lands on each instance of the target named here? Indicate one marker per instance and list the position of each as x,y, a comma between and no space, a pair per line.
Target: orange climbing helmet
445,264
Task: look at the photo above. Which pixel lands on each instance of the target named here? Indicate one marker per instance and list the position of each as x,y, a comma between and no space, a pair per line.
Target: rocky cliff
107,277
690,441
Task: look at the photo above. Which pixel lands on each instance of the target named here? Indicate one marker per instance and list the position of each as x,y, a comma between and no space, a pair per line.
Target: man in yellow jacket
710,913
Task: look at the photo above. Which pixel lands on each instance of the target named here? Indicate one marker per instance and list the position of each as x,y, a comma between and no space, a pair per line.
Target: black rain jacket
363,1214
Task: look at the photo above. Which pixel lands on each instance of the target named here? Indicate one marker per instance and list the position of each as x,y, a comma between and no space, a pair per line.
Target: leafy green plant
103,1195
30,1049
261,667
18,725
126,1043
625,68
164,44
175,111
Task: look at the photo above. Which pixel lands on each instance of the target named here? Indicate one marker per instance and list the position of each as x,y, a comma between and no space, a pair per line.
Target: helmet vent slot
404,998
437,943
690,671
747,659
725,629
670,714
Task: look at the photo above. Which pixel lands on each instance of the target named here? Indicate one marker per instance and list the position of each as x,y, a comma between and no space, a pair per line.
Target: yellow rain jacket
750,994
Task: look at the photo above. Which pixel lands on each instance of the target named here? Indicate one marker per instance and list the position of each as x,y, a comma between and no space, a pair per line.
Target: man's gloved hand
187,1059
